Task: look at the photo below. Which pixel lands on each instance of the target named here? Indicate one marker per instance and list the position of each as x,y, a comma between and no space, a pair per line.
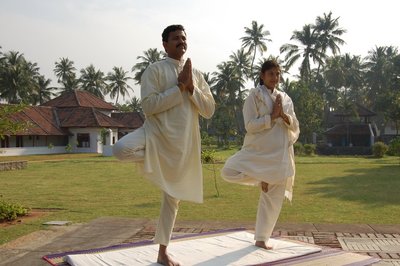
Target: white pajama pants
131,148
269,204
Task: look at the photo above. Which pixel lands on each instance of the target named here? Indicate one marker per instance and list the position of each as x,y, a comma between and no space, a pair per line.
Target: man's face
176,45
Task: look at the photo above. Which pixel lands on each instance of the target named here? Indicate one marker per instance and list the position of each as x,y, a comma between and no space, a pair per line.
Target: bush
10,211
309,149
298,148
208,156
379,149
394,147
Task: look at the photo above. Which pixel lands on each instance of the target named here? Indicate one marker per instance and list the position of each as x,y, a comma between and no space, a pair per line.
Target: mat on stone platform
229,248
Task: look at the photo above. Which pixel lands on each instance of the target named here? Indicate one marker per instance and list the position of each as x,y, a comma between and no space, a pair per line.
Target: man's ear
165,46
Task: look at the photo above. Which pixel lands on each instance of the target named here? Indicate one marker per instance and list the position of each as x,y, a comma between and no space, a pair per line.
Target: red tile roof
79,98
74,109
129,119
85,117
41,120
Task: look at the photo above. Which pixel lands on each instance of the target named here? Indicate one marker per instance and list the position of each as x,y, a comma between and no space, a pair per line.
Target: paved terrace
382,241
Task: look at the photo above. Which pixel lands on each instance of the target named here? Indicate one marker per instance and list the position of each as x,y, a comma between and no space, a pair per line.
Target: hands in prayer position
185,79
277,110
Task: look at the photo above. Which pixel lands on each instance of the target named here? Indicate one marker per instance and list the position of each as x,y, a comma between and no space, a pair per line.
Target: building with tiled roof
75,121
350,132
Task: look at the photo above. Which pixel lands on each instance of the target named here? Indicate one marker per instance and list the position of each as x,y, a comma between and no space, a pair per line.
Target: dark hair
169,29
267,65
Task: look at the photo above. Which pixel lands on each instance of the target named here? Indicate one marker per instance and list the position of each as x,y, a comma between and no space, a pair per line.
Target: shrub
208,156
394,147
206,139
10,211
298,148
379,149
309,149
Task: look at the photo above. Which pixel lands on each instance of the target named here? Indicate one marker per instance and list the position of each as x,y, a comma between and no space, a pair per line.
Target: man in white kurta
267,154
169,144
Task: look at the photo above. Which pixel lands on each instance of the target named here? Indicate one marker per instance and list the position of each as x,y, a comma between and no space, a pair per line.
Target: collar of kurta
273,94
178,63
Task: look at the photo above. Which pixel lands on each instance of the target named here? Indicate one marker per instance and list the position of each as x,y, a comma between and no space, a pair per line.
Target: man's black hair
169,29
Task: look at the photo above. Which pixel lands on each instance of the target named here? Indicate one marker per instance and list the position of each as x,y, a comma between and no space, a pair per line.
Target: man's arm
153,101
202,97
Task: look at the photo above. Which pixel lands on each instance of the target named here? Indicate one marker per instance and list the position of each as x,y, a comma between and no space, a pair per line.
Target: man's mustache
184,45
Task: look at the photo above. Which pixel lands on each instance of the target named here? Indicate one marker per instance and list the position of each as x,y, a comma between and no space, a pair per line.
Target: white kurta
267,152
173,144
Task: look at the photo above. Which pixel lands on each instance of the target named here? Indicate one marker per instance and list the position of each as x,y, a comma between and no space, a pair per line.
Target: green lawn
82,187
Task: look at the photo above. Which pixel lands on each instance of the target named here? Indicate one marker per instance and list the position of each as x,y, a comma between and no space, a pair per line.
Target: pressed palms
118,83
255,40
150,56
93,80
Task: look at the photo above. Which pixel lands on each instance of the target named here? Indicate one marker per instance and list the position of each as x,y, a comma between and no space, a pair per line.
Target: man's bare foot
167,261
264,187
261,244
164,259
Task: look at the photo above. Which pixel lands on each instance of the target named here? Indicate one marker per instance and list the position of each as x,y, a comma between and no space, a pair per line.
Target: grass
81,187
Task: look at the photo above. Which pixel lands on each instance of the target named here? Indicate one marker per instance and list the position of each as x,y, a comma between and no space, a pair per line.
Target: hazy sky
114,32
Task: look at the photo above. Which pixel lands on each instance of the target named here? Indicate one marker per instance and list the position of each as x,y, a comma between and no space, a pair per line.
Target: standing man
173,96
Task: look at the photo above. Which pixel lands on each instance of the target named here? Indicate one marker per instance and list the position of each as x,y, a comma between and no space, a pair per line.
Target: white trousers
269,204
165,225
131,148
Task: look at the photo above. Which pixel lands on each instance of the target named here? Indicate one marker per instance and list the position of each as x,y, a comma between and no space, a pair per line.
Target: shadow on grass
373,186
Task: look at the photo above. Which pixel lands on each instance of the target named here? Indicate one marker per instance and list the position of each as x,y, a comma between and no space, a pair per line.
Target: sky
109,33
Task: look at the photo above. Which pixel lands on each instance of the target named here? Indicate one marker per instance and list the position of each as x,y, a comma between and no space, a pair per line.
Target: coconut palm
118,83
66,74
255,40
329,33
17,78
150,56
344,76
381,76
43,92
93,80
306,49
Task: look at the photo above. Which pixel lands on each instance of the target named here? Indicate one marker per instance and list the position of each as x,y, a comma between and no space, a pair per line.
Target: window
19,141
5,142
83,140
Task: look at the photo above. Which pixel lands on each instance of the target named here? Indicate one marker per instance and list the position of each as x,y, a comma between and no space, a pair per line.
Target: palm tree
329,33
255,40
225,90
17,78
344,76
44,91
118,83
152,55
65,72
307,48
93,80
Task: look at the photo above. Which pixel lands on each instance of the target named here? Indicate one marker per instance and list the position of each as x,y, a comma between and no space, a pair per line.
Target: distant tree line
327,79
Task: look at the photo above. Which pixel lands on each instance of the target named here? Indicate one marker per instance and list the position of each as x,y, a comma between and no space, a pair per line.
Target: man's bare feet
164,259
264,187
261,244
